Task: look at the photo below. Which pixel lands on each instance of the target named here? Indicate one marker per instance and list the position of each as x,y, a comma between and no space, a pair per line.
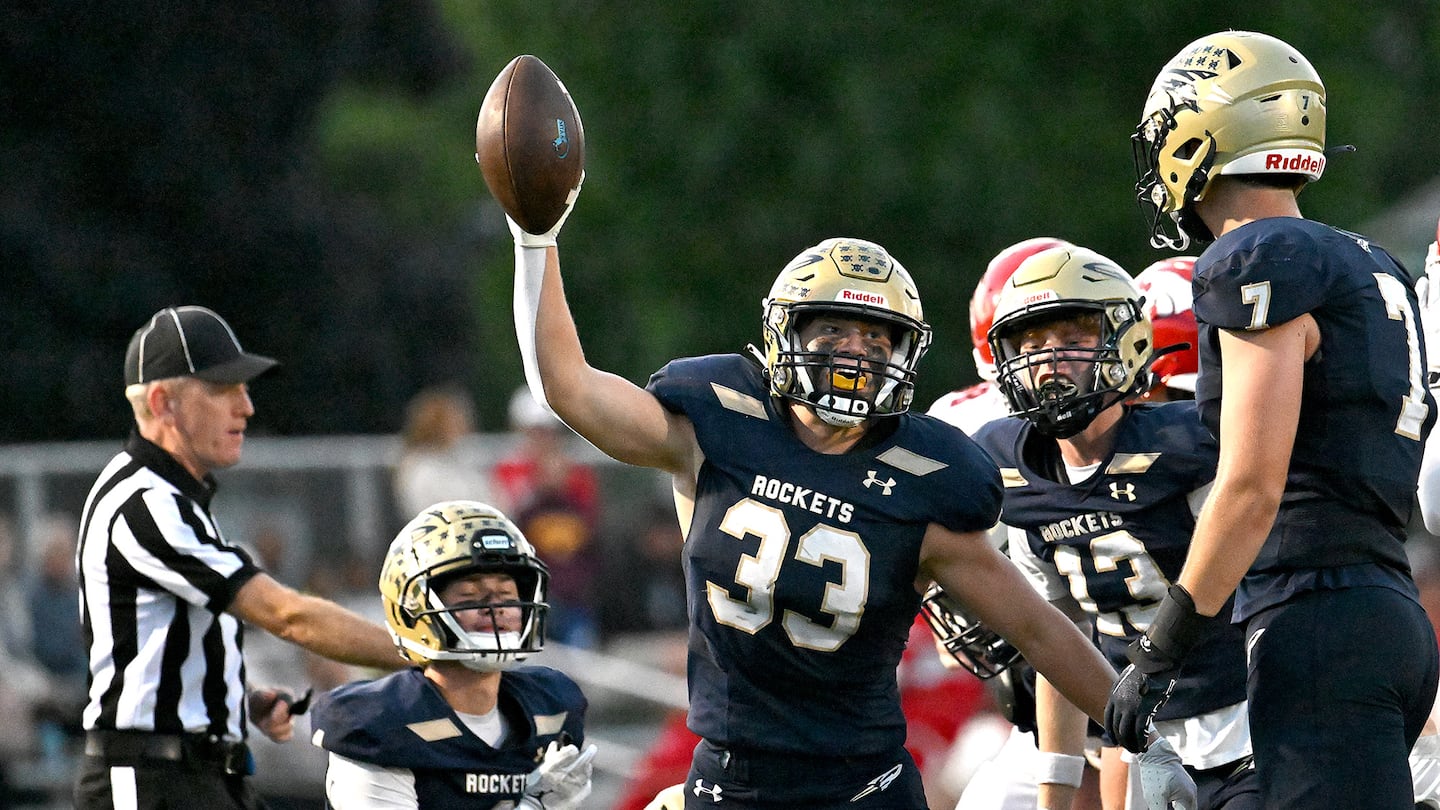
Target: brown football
529,143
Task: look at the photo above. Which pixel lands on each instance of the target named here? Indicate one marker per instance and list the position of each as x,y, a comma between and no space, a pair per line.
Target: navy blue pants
767,781
1232,786
1340,684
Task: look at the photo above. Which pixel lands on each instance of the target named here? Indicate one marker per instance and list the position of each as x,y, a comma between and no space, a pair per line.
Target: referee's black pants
134,773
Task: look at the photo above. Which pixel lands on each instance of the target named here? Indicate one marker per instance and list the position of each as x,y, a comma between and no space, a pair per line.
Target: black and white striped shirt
155,580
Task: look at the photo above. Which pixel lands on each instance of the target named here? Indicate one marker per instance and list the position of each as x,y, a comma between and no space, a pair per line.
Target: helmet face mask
1105,352
1231,103
975,647
844,280
474,545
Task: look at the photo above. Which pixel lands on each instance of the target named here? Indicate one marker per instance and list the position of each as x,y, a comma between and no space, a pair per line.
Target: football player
1428,290
464,598
1100,499
972,406
1313,335
1165,286
815,510
1425,755
1006,779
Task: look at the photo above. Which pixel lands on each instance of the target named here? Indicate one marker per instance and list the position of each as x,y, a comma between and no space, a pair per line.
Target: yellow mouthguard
847,381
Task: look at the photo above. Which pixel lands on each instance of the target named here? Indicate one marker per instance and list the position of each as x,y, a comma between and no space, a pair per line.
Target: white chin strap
488,652
843,414
1164,241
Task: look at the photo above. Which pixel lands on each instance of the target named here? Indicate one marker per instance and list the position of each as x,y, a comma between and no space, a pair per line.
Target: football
529,143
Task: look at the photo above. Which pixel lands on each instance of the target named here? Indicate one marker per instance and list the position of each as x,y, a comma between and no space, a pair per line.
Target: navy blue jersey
402,721
1365,410
801,566
1119,538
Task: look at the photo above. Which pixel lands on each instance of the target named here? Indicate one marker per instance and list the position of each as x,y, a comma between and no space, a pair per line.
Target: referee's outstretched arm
317,624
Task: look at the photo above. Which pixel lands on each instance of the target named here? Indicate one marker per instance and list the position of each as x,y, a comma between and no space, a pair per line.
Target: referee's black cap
190,341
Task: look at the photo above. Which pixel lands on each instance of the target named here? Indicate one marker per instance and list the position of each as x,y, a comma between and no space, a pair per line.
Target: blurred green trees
308,171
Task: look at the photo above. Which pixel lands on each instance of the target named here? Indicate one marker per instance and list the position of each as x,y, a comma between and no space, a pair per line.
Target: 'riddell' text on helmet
1231,103
851,279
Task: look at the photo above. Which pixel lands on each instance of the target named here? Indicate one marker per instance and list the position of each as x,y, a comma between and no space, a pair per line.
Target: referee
163,595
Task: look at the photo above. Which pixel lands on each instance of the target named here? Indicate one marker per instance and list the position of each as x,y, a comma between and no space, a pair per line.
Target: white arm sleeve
353,785
529,273
1043,577
1428,492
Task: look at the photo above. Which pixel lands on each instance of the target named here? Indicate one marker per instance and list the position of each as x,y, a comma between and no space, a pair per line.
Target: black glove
1155,659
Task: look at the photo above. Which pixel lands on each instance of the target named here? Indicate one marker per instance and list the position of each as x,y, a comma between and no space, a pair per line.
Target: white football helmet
450,540
850,278
1232,103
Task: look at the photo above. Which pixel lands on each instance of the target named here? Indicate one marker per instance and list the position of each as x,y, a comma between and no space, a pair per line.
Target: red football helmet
987,292
1168,302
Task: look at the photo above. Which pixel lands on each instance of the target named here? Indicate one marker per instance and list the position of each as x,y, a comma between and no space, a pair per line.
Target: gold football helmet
1066,283
849,278
1232,103
447,541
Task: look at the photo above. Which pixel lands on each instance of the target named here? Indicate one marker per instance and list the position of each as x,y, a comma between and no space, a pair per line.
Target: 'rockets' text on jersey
801,566
1117,540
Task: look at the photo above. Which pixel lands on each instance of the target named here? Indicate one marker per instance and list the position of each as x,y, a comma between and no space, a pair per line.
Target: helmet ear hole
1187,150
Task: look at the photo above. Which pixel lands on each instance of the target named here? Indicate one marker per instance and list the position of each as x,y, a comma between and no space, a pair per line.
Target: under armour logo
871,479
1127,492
880,782
712,792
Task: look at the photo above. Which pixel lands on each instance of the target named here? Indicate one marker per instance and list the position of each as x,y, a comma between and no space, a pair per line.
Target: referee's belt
198,750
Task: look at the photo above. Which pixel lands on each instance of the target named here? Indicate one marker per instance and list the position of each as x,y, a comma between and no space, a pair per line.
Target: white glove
1425,770
1163,778
1427,289
543,240
563,779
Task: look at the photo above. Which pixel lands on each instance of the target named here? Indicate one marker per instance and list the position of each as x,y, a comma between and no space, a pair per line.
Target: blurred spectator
52,602
554,499
23,687
431,467
648,571
543,460
564,537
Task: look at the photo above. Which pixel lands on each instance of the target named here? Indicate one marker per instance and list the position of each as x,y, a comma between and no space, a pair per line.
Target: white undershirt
1078,474
490,726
